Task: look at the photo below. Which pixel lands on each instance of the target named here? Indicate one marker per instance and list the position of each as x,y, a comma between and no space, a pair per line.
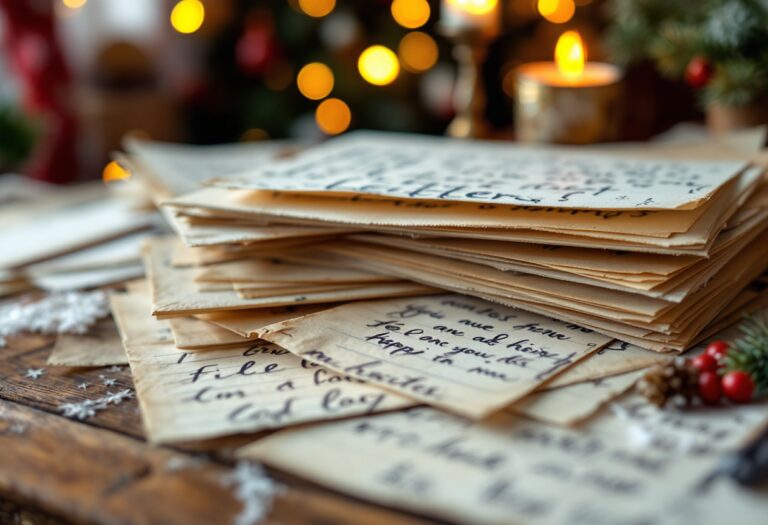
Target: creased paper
455,352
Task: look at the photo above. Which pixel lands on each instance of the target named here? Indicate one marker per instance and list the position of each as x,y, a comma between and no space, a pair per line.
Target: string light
556,11
74,4
317,8
475,7
418,51
114,171
333,116
187,16
315,81
378,65
254,135
410,13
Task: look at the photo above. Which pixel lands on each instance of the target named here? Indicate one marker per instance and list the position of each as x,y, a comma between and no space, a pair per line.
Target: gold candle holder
552,110
470,46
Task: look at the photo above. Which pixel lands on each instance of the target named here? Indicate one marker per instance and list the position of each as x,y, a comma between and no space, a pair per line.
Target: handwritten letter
197,395
452,351
412,167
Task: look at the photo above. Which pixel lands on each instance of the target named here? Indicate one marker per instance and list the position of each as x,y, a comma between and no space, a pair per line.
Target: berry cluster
737,385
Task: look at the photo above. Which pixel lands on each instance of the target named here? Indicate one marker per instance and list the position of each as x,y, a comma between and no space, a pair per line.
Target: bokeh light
114,171
410,13
315,81
475,7
418,51
254,135
187,16
317,8
333,116
557,11
378,65
74,4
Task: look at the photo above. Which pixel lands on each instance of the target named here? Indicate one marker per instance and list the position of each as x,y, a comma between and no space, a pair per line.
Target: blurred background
77,75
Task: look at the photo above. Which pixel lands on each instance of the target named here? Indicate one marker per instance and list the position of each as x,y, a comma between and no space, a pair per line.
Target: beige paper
570,404
68,229
187,396
408,166
174,169
277,270
455,352
250,323
174,293
190,333
515,471
101,346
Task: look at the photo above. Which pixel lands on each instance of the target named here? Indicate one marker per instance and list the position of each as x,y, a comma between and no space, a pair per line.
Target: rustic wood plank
90,475
102,472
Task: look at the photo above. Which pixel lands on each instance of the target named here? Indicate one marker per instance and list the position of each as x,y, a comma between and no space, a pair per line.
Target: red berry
717,349
709,387
699,72
738,386
705,362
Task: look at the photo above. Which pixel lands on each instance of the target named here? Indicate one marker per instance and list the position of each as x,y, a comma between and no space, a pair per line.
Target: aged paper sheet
517,470
455,352
187,396
101,346
405,166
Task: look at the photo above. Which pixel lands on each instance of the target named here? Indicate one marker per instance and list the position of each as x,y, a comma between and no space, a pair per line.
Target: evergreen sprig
750,352
731,34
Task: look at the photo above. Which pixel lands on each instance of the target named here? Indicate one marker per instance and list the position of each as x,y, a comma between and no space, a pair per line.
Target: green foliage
750,352
731,34
17,138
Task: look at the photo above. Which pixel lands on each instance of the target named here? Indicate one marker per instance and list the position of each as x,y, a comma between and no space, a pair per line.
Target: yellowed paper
187,396
455,352
516,471
249,323
567,405
174,293
410,167
101,346
190,333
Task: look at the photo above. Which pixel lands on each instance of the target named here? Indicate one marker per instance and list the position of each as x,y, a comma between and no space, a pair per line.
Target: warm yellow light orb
317,8
557,11
187,16
475,7
333,116
411,13
114,171
315,81
74,4
378,65
570,55
418,51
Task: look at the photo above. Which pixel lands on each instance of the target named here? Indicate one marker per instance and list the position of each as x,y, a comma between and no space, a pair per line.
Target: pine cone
676,381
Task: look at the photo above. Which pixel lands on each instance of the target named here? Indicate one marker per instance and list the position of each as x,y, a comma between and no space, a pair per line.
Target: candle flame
570,55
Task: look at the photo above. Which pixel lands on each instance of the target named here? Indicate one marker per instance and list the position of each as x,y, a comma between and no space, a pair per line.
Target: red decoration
699,72
31,43
710,389
717,349
738,386
257,49
705,363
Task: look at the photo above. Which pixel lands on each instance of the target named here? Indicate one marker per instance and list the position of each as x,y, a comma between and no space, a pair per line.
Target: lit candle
569,100
470,15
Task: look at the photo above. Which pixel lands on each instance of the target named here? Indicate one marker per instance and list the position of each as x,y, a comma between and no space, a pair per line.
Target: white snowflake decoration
60,313
254,489
34,373
86,409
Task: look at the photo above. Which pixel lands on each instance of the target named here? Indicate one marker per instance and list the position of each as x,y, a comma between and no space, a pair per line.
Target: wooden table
55,470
